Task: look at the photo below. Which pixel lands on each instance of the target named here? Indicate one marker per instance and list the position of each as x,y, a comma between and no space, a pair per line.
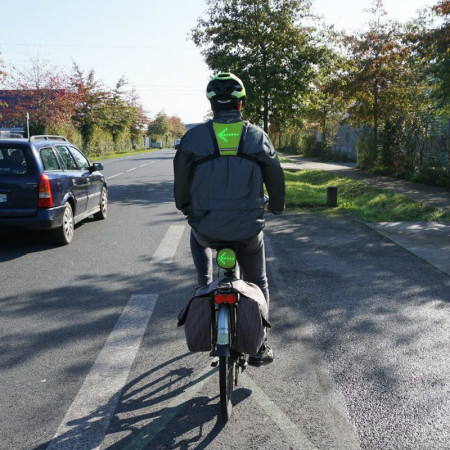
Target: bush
366,150
437,176
311,146
291,143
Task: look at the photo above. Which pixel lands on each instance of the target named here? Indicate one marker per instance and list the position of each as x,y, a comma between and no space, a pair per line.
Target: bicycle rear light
230,298
226,258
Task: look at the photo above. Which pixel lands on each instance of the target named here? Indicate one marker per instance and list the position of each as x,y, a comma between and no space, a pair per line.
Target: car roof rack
48,137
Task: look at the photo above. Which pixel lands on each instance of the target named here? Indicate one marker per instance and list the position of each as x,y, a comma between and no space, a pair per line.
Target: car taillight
45,192
225,298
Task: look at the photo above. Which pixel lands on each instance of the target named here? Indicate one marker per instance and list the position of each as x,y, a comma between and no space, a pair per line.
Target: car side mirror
96,167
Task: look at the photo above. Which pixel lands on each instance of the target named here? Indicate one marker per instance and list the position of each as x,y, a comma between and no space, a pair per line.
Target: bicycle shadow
154,410
179,424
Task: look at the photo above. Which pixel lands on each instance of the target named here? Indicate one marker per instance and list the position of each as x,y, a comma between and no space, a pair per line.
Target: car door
94,179
77,178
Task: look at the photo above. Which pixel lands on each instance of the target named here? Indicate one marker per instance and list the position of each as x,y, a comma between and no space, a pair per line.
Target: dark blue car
46,183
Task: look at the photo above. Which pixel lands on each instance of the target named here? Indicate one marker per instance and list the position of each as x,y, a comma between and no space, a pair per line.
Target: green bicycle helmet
225,87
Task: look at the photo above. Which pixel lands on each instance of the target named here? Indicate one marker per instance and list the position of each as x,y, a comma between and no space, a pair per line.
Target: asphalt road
91,356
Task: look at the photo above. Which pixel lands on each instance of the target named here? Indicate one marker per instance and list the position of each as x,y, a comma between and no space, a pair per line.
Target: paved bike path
379,317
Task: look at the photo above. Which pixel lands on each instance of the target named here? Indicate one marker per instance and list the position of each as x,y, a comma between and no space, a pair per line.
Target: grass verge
307,189
120,155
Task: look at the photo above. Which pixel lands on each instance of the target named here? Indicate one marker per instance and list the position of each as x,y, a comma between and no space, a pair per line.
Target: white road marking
279,417
168,246
88,418
130,170
114,176
147,433
178,403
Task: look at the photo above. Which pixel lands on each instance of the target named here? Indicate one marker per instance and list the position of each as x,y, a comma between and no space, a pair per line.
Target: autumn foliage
76,105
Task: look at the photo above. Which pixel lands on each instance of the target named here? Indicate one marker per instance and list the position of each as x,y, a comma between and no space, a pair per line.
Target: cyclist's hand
266,206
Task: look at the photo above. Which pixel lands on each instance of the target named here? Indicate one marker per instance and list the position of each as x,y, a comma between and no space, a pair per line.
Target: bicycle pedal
215,361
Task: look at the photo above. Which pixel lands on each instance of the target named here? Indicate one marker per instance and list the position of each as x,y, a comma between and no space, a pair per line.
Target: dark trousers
250,255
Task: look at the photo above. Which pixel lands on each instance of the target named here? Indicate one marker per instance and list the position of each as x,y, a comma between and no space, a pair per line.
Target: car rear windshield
14,162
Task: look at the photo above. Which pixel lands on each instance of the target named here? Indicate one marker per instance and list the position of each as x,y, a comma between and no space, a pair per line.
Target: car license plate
3,198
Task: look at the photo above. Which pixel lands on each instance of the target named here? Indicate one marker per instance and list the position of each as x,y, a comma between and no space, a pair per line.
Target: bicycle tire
226,382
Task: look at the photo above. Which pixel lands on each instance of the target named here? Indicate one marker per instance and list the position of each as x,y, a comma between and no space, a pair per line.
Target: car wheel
64,234
103,213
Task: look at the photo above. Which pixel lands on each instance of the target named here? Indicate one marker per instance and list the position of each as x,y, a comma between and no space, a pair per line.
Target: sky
145,41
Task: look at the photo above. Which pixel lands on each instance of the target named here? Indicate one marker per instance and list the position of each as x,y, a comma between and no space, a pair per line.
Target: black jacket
223,196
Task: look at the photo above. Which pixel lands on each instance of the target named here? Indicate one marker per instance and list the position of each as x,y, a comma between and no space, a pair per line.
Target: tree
90,97
177,129
159,127
2,71
262,42
138,118
44,92
165,127
327,103
428,41
116,113
429,46
379,77
2,79
438,40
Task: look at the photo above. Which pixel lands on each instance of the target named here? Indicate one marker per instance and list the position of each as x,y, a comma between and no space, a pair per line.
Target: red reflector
225,298
45,193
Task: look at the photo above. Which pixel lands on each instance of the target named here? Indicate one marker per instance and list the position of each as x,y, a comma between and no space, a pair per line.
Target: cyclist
220,168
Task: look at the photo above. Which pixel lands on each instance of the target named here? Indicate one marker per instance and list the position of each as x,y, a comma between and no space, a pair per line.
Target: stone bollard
332,196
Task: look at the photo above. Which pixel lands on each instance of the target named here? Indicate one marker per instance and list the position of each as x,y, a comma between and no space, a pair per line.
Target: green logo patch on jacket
228,136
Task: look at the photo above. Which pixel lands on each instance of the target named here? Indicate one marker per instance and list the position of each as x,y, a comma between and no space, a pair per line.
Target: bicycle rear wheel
226,381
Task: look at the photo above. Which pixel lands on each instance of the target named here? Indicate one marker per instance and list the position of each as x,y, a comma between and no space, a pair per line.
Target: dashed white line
168,246
114,176
88,418
130,170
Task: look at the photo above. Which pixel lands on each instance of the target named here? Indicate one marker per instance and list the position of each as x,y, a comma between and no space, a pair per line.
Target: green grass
120,155
308,189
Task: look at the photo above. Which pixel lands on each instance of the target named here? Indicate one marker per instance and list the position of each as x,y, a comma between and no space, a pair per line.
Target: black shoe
264,356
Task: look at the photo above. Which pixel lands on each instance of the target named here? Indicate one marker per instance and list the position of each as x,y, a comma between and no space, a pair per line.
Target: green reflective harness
228,136
228,140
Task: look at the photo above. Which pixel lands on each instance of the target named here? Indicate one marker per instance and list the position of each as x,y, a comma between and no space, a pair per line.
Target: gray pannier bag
251,323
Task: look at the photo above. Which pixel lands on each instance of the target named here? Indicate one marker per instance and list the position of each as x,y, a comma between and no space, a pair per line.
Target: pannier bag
252,314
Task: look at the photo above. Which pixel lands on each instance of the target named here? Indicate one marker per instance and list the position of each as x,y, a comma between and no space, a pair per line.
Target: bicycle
226,301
